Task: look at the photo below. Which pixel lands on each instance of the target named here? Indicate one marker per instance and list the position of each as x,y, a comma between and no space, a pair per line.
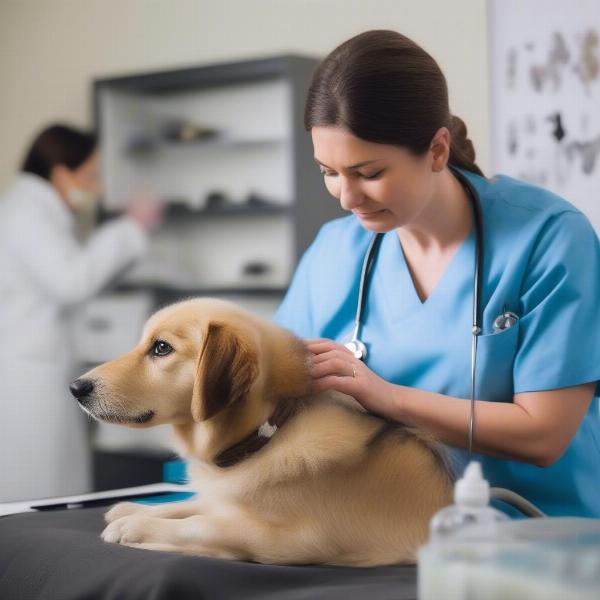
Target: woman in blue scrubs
384,138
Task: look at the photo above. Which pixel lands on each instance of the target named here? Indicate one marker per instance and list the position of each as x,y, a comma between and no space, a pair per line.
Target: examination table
58,555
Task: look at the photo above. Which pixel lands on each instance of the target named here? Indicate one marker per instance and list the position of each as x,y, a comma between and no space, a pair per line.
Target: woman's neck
444,223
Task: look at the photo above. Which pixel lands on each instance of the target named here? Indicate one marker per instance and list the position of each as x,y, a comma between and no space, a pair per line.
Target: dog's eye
161,348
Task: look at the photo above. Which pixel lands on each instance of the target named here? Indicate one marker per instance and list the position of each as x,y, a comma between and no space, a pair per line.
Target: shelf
161,289
177,210
180,211
149,148
207,76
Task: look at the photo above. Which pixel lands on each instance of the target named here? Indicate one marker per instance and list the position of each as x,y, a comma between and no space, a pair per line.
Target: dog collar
259,437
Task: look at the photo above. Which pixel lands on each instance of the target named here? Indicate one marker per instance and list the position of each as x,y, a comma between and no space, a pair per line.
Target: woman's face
79,187
385,186
87,175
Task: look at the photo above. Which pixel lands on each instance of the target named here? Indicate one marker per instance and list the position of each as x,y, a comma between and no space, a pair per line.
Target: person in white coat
45,272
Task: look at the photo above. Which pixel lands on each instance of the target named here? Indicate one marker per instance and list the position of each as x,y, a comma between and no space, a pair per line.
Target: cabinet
224,147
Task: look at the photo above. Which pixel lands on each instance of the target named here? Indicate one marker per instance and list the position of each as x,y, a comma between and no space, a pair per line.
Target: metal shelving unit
224,147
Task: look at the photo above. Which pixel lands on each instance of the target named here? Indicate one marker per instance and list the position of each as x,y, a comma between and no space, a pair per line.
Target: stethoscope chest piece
505,321
357,348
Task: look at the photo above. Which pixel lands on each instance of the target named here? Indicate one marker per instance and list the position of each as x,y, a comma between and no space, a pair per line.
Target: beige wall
51,49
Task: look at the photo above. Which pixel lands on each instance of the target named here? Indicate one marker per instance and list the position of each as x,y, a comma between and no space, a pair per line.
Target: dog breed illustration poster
545,88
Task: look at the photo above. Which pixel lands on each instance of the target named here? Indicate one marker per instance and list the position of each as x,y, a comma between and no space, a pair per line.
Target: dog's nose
81,388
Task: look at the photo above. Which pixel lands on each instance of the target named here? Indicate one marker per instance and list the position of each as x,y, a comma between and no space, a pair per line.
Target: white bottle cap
472,489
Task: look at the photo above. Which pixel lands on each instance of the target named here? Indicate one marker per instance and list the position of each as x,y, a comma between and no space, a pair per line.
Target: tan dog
283,475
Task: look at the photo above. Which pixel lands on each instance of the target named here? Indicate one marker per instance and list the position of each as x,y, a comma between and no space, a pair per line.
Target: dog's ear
226,369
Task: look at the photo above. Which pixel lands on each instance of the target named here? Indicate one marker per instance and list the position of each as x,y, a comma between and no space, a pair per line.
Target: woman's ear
226,369
60,177
440,149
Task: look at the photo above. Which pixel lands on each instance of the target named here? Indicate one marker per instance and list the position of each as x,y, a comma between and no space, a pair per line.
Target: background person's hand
334,367
147,211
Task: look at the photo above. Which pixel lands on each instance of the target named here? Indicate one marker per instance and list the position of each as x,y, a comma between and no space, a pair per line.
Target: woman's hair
58,145
384,88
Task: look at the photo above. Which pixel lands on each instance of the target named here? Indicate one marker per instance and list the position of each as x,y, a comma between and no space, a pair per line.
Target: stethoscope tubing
358,347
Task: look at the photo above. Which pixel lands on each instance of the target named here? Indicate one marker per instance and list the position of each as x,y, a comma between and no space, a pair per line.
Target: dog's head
199,362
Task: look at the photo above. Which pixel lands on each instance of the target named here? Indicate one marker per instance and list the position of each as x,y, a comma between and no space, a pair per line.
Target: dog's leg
197,551
159,547
234,534
170,510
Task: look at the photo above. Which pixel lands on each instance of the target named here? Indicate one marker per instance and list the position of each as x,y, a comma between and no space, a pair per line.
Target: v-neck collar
393,274
443,276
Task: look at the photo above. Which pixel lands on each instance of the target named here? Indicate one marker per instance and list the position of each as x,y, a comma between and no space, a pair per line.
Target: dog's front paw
123,509
129,529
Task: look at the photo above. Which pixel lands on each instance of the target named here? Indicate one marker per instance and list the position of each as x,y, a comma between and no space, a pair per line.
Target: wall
50,50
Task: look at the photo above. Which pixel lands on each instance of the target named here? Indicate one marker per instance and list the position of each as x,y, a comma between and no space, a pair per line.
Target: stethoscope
503,321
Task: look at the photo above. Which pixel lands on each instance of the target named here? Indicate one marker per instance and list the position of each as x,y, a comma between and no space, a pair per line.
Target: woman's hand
147,211
334,367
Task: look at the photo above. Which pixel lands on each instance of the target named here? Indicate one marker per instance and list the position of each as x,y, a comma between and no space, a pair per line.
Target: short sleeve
559,329
296,311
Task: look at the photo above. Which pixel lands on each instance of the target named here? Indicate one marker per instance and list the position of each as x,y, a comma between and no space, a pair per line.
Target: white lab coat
45,272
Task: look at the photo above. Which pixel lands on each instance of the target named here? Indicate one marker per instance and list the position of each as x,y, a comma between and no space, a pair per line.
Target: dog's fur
334,484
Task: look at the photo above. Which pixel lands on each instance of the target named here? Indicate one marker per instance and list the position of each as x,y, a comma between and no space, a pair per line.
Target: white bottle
445,563
471,505
475,551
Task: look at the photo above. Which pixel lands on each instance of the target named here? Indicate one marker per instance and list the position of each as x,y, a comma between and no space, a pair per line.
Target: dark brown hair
384,88
58,145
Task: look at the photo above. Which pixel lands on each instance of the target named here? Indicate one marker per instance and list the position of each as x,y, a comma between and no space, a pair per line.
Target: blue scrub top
541,261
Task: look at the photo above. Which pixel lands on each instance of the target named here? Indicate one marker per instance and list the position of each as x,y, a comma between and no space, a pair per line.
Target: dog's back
359,489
